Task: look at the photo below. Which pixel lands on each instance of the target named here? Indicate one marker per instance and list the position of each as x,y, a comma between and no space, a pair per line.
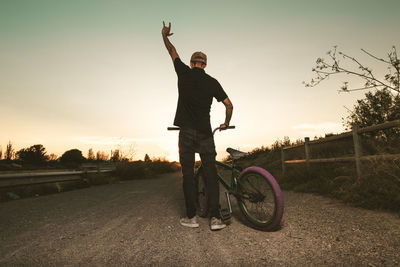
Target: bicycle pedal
225,214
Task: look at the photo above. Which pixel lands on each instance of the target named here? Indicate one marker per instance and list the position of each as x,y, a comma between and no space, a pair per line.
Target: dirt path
136,223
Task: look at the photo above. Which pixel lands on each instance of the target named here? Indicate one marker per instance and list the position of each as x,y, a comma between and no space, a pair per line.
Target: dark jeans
190,142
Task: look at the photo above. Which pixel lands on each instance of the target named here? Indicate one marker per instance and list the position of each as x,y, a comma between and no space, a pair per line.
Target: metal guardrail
18,179
357,157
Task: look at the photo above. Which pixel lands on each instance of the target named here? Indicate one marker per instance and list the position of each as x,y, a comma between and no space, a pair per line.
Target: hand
165,30
223,127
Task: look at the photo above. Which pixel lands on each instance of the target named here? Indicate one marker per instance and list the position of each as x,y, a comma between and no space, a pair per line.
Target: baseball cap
199,57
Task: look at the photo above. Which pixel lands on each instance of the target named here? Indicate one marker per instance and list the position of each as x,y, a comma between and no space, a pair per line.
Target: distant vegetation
72,158
145,169
36,157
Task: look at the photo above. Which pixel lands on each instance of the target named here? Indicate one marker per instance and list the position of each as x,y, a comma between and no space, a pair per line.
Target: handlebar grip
230,127
173,128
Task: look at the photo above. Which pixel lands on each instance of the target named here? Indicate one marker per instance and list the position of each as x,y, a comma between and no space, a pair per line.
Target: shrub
144,169
72,158
35,154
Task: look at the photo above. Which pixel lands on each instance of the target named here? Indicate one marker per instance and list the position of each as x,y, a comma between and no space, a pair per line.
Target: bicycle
256,190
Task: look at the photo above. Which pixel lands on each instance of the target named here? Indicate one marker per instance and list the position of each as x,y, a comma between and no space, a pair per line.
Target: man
196,92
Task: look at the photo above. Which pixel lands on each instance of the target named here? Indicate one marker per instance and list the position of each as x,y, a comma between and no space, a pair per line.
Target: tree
72,158
147,158
130,152
91,156
35,154
101,156
52,157
116,156
336,65
1,152
9,151
376,108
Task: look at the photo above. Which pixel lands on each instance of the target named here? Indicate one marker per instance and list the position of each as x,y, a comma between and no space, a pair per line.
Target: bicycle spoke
258,197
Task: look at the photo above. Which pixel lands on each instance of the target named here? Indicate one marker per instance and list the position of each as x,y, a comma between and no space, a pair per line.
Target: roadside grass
379,186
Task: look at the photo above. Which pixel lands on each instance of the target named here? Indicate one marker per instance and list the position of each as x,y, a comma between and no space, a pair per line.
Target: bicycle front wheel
260,198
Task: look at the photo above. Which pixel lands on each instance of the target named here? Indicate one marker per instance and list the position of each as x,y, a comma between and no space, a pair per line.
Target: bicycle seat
235,154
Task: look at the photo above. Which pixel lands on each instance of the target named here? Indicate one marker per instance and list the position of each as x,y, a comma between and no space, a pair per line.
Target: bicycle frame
234,174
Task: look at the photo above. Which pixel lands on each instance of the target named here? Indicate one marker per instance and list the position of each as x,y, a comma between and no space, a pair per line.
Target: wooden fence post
357,150
283,161
307,150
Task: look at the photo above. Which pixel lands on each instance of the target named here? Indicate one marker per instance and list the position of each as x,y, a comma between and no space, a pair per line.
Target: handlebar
229,127
216,129
173,128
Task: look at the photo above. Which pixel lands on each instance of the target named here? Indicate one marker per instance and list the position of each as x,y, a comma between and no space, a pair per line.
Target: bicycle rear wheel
202,195
260,198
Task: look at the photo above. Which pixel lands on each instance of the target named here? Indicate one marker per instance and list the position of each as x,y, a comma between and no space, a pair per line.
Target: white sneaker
216,224
193,223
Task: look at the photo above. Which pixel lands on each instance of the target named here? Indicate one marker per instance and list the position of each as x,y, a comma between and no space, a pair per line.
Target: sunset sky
96,74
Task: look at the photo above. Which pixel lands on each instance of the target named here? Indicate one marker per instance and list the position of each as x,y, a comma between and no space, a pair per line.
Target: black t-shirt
196,92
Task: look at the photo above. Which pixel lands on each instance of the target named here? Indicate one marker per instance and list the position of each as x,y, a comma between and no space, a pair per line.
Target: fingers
169,25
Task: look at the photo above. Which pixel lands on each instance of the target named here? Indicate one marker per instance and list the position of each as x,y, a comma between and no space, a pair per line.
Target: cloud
317,129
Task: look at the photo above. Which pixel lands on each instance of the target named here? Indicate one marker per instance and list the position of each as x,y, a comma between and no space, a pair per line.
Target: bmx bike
258,194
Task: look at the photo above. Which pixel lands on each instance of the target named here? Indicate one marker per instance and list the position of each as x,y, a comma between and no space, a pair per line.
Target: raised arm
228,114
165,34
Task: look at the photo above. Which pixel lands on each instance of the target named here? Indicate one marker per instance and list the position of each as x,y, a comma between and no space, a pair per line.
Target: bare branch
360,65
342,70
325,69
359,89
377,58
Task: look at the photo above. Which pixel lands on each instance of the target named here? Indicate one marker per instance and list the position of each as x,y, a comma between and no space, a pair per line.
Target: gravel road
135,223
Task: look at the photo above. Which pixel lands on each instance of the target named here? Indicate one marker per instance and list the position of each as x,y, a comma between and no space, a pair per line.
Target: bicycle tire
202,195
260,202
